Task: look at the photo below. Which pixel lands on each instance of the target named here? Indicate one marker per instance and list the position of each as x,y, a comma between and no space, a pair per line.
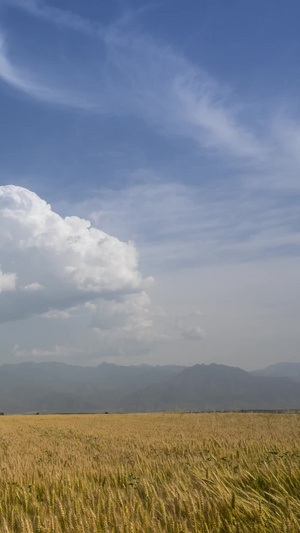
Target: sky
149,194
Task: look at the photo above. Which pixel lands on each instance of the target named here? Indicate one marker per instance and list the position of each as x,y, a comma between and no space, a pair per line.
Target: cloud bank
78,288
54,263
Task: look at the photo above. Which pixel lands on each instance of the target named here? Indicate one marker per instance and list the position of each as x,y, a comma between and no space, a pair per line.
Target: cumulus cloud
54,263
130,313
129,326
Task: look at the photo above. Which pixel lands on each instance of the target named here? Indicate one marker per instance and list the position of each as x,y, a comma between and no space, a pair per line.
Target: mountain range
60,388
288,370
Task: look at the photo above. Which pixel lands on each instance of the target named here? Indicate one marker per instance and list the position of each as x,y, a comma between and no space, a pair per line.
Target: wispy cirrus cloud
60,17
132,74
23,79
179,225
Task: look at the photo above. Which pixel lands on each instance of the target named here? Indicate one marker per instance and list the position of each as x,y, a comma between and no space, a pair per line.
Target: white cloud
127,327
193,333
66,270
33,287
58,262
130,314
57,16
7,281
58,352
57,315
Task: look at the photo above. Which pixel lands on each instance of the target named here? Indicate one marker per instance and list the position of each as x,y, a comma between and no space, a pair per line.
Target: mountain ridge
290,370
49,387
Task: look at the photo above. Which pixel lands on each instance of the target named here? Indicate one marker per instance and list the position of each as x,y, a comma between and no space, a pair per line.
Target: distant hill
215,387
288,370
58,387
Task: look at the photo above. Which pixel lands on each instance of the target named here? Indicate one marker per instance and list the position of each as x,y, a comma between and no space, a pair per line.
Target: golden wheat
150,473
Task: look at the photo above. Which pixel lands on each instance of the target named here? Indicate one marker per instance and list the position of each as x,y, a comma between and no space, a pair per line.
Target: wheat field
181,473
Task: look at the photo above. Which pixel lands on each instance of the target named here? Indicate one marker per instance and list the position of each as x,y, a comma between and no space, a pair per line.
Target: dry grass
155,473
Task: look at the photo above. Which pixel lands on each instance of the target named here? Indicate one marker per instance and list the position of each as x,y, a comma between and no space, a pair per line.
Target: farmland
181,473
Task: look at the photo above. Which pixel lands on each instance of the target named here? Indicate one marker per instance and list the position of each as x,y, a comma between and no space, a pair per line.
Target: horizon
149,195
150,365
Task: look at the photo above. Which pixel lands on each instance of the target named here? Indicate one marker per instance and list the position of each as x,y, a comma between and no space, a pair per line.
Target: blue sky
173,128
